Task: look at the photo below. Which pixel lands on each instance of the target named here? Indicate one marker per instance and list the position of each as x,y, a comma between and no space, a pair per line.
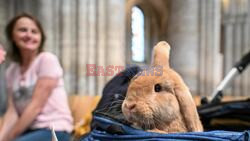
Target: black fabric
230,116
114,93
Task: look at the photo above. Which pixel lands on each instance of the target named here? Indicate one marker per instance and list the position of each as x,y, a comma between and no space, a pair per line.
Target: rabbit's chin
140,121
144,124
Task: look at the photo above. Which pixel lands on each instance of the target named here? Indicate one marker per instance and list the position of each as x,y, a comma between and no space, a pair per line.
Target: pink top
56,111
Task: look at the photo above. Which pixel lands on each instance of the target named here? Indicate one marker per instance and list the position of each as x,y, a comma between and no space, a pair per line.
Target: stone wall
205,42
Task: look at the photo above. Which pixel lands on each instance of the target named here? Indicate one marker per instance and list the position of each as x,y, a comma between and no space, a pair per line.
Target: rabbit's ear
188,109
160,56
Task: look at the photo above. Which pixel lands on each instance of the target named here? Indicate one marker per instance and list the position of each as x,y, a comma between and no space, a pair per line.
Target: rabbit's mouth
140,121
139,113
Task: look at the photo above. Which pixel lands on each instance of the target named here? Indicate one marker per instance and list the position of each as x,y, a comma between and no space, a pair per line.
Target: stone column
183,35
48,15
235,33
67,43
102,41
83,46
115,51
209,54
194,32
92,43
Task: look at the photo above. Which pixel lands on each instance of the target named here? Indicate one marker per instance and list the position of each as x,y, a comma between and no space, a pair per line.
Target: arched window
137,26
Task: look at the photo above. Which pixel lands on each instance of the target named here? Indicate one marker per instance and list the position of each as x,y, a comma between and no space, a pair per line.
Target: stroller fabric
230,116
110,130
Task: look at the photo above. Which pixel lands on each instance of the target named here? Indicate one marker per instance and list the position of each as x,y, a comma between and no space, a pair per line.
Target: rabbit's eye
157,88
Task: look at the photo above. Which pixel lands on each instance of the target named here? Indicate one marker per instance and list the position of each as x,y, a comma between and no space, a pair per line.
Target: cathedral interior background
207,38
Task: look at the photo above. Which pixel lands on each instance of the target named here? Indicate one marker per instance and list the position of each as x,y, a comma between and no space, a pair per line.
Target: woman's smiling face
26,34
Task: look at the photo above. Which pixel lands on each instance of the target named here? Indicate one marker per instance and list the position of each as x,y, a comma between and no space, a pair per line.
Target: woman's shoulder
48,60
46,54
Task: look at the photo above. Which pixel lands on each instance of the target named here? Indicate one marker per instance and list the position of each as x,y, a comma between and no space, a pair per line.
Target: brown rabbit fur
161,103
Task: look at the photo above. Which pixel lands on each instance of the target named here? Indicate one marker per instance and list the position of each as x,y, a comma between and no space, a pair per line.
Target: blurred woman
2,53
36,96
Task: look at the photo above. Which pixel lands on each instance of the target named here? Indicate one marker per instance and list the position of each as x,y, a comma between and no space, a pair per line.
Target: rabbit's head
158,100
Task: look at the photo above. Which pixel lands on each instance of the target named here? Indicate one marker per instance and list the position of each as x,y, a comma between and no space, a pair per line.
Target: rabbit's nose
130,106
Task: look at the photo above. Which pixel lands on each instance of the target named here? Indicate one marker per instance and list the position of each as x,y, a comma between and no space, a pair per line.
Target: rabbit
161,102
